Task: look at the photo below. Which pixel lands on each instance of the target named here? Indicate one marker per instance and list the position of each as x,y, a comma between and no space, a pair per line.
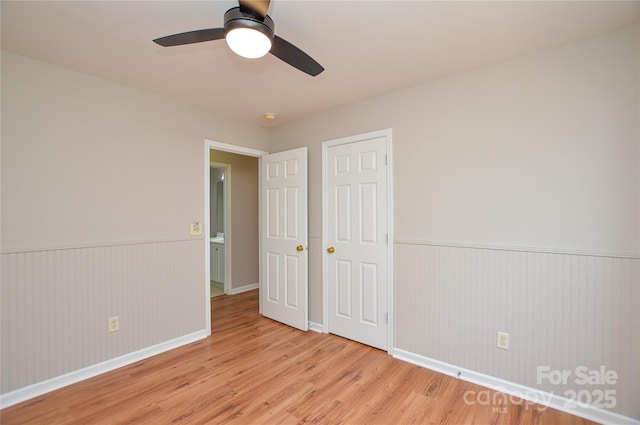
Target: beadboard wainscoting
56,304
561,310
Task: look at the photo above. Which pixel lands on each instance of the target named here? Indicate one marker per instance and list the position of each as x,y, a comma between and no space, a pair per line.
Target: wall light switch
196,229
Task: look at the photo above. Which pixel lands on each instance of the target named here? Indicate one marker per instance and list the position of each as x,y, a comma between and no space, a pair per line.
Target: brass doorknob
331,250
299,248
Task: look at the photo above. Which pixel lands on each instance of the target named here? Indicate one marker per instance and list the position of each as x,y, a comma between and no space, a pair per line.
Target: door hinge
386,239
385,159
386,318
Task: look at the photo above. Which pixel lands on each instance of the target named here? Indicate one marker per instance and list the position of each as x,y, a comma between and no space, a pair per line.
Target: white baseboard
244,288
37,389
316,327
520,391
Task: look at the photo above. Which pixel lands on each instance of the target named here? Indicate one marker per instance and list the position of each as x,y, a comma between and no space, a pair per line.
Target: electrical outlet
196,229
114,324
502,340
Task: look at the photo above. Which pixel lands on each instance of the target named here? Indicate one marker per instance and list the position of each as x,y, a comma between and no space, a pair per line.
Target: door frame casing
387,134
225,147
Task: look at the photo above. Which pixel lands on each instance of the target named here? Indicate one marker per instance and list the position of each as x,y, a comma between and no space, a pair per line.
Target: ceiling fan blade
191,37
295,57
258,8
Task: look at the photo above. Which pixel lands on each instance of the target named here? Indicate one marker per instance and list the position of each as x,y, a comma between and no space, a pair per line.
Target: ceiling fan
249,32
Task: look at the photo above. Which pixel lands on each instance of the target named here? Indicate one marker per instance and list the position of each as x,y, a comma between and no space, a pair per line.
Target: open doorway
238,245
220,235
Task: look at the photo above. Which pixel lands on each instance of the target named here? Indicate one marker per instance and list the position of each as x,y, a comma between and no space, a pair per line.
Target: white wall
538,156
100,183
541,151
90,161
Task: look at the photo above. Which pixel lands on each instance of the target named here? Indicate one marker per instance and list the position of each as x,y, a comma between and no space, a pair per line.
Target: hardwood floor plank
252,370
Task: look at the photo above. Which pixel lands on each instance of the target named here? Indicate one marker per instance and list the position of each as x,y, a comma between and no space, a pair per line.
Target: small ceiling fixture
249,32
270,116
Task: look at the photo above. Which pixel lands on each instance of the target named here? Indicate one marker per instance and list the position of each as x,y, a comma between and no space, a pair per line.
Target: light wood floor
256,371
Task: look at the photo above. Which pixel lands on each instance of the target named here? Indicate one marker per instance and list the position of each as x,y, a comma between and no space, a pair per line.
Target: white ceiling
368,48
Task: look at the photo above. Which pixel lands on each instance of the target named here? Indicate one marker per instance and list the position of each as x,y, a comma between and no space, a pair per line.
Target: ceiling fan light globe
248,43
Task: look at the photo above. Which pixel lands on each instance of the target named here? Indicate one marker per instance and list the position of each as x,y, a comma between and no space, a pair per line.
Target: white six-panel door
284,258
356,240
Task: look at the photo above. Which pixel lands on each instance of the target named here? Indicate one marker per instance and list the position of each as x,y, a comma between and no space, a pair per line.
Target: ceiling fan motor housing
235,18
